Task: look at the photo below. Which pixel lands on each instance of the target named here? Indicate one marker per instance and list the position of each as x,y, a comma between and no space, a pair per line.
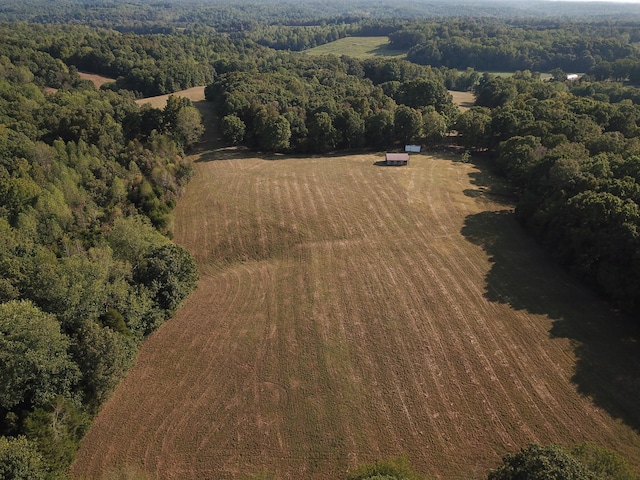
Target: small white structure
572,76
412,148
396,158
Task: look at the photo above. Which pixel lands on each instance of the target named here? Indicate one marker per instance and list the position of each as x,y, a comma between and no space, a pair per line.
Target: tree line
584,461
535,45
87,268
574,156
296,103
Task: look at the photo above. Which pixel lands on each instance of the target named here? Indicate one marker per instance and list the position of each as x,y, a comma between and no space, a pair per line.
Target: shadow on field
606,343
386,51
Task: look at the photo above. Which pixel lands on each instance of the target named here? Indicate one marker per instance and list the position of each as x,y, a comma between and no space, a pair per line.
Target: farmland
348,312
358,47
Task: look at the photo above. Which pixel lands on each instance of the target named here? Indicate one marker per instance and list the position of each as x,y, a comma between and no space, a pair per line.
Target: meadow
358,47
367,47
349,312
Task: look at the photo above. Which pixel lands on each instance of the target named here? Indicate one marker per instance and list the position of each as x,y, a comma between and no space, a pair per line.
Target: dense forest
87,184
302,104
509,46
88,179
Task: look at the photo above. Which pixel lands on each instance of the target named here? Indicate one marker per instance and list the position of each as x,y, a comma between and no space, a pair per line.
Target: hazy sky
616,1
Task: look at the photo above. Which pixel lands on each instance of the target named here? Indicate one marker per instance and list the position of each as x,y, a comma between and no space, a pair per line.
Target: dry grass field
349,312
98,80
465,100
195,94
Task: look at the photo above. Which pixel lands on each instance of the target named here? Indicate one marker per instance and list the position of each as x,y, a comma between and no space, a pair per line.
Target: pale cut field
464,100
195,94
98,80
349,312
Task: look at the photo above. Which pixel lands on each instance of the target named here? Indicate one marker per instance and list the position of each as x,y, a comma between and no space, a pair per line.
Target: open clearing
349,312
464,100
98,80
358,47
195,94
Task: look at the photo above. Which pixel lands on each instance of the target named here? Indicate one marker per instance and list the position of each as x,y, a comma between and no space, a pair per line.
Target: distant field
349,312
195,94
366,47
98,80
543,76
464,100
358,47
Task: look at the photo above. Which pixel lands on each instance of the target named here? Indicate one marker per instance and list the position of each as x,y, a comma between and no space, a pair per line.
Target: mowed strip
343,317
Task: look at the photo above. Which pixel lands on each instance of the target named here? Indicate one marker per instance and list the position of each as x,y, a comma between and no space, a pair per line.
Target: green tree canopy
20,460
474,126
407,123
169,272
397,468
323,136
540,463
233,129
35,367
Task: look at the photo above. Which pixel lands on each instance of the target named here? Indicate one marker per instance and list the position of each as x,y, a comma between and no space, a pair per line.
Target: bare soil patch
348,312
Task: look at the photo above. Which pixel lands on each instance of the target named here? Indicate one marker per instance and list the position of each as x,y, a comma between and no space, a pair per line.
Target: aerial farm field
349,312
358,47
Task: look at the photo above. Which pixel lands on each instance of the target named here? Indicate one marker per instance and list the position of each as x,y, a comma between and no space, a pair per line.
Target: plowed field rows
344,315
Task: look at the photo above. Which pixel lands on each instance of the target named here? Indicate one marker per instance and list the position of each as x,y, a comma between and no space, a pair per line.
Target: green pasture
358,47
366,47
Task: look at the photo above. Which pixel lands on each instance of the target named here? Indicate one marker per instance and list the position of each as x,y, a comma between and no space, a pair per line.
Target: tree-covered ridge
87,184
227,16
153,64
539,45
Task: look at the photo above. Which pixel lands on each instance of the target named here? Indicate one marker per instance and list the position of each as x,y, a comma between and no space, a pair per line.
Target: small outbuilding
412,148
396,158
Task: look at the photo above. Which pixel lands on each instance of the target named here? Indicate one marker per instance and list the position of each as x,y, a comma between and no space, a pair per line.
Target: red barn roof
397,157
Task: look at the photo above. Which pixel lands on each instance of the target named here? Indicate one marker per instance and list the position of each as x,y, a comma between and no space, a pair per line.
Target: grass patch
358,47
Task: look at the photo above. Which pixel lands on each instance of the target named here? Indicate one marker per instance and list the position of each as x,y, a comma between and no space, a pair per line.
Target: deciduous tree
540,463
20,460
35,366
233,129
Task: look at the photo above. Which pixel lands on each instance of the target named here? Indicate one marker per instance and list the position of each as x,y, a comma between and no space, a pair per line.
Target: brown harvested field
98,80
348,312
195,94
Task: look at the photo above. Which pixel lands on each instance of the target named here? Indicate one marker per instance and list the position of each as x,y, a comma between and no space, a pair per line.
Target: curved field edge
349,312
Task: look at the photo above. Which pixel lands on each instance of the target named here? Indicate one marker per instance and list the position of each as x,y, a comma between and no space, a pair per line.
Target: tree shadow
386,51
383,163
523,276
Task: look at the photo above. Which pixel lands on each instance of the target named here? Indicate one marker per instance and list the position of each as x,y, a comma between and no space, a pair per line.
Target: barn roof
397,156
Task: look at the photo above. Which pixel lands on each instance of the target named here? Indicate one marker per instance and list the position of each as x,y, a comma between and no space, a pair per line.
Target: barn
396,158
